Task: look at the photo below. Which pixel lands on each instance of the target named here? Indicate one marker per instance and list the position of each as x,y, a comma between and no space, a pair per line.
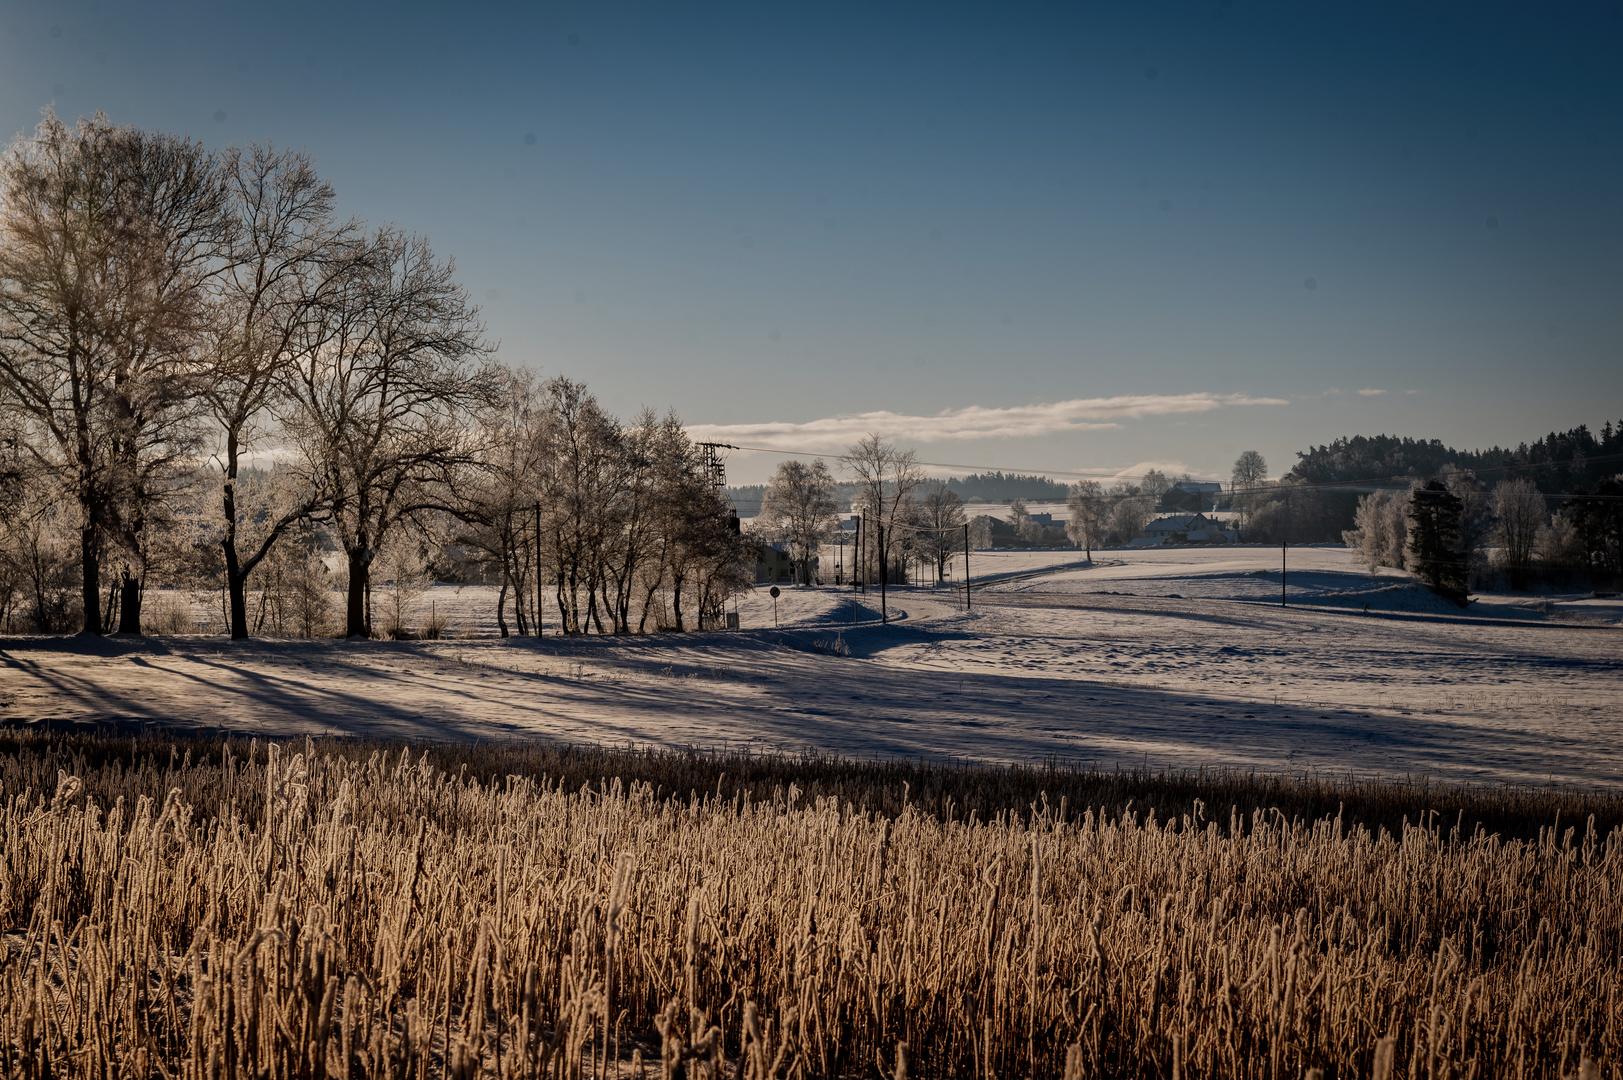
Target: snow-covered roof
1180,523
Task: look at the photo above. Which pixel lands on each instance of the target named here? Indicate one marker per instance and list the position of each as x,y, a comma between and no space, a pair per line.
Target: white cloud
1370,391
835,433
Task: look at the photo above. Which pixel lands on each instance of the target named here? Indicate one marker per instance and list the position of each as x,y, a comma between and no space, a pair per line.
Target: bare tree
383,390
109,241
1155,485
585,456
886,479
799,507
1521,512
941,512
637,516
500,503
1129,511
1020,518
285,255
698,555
1089,513
38,555
1250,470
1476,512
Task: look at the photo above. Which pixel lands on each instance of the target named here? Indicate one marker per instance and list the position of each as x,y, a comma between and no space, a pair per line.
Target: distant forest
992,487
1318,499
1559,463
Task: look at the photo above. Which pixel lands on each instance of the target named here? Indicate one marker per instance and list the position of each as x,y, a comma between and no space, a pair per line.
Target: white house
1183,529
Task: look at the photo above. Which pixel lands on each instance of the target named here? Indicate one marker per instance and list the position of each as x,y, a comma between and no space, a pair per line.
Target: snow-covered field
1165,657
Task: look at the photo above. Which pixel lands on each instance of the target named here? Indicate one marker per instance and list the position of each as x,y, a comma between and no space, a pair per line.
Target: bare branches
390,372
110,240
799,507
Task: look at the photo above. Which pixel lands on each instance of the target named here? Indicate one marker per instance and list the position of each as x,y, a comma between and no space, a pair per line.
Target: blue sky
1048,236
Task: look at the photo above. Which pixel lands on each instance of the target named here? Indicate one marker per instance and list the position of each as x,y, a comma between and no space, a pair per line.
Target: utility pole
860,572
856,561
884,612
1289,521
966,566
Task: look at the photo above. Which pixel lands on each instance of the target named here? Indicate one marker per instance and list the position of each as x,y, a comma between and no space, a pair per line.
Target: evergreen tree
1434,553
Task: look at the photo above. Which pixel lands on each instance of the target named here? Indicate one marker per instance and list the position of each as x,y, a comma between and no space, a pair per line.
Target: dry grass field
200,909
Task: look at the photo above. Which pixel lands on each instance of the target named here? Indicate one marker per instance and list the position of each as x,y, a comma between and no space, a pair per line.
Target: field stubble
351,909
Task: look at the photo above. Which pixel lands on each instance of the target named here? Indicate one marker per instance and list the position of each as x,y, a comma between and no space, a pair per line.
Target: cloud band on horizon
971,422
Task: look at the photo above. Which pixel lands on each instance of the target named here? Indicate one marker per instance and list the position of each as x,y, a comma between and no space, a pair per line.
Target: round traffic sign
774,592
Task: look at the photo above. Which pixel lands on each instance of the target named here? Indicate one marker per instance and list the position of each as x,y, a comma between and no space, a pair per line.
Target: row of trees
925,519
1453,531
904,515
172,318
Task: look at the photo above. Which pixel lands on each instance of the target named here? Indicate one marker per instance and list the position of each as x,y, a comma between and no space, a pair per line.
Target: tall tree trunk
355,620
563,608
129,604
511,575
237,588
236,581
676,603
91,564
591,604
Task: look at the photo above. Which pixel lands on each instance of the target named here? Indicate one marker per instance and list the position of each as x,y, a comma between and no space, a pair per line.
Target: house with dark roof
1183,529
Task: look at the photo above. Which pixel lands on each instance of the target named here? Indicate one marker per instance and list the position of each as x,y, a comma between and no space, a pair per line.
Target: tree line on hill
991,487
1558,463
1547,511
212,382
1454,532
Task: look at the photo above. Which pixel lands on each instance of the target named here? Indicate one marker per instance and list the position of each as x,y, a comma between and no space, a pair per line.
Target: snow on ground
1177,657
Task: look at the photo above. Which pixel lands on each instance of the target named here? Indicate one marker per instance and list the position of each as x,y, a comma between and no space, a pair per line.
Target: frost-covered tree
1250,470
799,509
1559,549
980,532
1521,512
1379,530
1130,510
285,252
1155,485
1020,518
109,246
384,393
1476,512
886,479
1248,474
941,517
1088,514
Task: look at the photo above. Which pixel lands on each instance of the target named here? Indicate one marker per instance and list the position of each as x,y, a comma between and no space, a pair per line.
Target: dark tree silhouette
1434,553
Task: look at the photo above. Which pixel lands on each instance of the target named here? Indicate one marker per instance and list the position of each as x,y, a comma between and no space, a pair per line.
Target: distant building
1184,529
772,565
1191,497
